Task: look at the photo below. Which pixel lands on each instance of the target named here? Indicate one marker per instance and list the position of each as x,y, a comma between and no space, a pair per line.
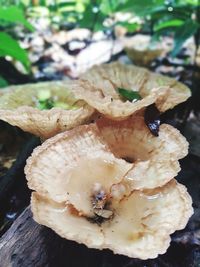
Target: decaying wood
28,244
20,245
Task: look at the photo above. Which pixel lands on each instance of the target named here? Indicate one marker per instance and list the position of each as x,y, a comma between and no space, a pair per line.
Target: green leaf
10,47
131,27
129,95
14,14
182,12
45,104
191,2
168,24
139,7
107,7
182,33
92,20
3,82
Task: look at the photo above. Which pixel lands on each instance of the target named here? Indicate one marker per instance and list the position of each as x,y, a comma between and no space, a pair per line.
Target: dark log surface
11,178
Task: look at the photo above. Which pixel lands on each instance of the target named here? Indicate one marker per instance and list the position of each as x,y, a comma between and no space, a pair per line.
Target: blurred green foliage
3,82
9,46
177,18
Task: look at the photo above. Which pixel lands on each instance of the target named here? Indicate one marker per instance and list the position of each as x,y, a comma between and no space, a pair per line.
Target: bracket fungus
107,185
99,87
44,108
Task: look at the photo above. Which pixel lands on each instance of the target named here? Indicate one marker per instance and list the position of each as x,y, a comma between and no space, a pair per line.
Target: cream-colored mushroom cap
19,106
99,88
85,162
140,226
74,167
154,159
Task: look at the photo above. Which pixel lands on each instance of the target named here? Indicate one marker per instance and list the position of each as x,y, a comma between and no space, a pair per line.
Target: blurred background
44,40
47,39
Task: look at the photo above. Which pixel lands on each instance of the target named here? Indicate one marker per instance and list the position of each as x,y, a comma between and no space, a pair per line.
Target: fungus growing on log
96,154
43,109
107,185
99,87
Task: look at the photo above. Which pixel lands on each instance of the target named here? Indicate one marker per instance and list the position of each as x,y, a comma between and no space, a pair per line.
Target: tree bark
28,244
24,243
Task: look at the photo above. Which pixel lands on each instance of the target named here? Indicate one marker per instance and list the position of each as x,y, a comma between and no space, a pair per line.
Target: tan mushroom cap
98,87
154,159
18,107
140,228
76,165
141,50
143,57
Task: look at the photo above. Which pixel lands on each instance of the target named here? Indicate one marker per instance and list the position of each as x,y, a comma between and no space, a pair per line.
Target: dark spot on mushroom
99,199
101,207
128,159
152,119
96,219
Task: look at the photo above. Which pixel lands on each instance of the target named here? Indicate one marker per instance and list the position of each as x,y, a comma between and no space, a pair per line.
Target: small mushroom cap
98,87
140,228
140,49
143,57
74,166
154,159
18,107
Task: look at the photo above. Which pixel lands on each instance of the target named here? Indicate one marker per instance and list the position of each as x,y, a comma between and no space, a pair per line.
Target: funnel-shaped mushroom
75,166
154,159
140,225
141,50
91,158
118,90
43,109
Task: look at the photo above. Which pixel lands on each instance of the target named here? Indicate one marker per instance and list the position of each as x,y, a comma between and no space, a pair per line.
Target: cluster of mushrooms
102,177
